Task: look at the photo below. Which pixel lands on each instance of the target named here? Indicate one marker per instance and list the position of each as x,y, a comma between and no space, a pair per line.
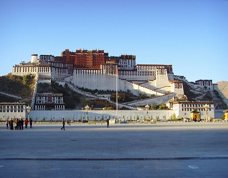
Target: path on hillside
10,95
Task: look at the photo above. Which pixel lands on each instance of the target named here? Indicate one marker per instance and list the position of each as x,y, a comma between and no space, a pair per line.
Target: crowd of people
18,124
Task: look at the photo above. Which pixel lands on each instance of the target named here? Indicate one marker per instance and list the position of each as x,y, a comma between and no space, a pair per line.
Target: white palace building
140,78
95,70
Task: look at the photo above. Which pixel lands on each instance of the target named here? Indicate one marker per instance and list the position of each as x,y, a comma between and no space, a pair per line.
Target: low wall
81,114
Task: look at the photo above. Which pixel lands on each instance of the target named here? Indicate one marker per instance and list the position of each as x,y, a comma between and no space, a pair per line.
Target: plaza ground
123,150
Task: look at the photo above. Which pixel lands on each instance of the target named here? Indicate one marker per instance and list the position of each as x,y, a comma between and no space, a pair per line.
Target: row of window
43,107
178,85
194,105
11,110
149,67
198,109
43,100
11,107
88,72
139,73
31,69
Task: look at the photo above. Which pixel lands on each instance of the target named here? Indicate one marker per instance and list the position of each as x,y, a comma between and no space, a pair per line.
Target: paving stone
161,150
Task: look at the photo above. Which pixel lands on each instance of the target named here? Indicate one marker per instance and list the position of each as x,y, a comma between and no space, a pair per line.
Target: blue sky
191,35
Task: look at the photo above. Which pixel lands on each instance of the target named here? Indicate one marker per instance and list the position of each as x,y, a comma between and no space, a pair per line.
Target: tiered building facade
95,69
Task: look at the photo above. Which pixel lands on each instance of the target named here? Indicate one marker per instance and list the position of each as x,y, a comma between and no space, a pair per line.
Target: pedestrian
30,121
7,123
107,123
195,119
16,124
63,122
22,124
11,124
26,123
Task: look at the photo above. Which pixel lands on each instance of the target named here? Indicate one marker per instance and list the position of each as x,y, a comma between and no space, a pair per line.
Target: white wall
100,81
161,78
77,114
9,115
94,81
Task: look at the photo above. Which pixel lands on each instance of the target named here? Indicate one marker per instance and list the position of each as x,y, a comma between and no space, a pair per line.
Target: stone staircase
151,100
149,90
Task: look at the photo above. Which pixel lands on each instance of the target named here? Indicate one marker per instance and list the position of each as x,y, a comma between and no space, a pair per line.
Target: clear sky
191,35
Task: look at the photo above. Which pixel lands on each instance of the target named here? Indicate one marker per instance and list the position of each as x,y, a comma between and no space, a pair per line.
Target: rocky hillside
223,87
20,87
203,95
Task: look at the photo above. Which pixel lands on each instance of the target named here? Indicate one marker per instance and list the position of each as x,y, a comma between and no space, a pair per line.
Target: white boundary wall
122,114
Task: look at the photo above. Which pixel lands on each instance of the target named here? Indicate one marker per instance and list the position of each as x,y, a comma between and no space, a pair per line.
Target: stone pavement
126,150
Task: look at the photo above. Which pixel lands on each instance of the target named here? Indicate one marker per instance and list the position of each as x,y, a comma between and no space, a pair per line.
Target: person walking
107,123
30,121
7,123
16,124
11,124
22,124
19,124
63,122
26,123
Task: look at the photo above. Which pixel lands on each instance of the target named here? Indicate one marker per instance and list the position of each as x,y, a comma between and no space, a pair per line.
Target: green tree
137,117
162,107
152,107
26,79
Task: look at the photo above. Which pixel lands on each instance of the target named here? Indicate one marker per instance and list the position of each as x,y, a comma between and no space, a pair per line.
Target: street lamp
147,108
87,108
28,110
206,109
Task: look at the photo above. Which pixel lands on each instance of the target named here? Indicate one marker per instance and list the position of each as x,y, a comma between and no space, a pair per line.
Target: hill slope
203,95
223,87
19,86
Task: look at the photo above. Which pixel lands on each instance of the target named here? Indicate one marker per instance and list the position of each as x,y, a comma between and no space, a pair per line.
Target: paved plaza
123,150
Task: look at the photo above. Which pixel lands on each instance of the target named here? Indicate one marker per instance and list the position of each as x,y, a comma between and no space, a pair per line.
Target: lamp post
28,110
87,108
147,108
206,109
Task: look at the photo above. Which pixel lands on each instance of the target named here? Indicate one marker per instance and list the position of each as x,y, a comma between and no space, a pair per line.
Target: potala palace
96,70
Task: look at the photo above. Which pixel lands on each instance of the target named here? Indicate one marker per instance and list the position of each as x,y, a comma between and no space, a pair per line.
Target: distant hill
223,87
